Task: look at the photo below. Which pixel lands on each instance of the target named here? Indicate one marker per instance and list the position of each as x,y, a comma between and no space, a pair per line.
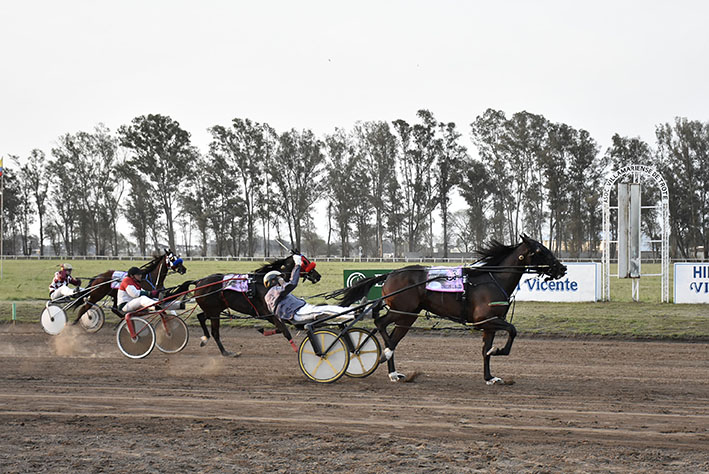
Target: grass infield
25,283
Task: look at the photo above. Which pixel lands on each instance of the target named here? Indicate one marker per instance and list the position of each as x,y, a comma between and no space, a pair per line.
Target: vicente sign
582,282
691,283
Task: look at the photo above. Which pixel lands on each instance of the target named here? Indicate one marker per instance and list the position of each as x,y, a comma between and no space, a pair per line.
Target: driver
131,296
288,307
60,285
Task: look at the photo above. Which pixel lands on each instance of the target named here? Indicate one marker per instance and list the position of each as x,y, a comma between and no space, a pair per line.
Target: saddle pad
452,283
117,275
235,282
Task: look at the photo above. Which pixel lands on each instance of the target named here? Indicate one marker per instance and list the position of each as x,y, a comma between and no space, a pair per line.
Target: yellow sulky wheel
367,350
328,367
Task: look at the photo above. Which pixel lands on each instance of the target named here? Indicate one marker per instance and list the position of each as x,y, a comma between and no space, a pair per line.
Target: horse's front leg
488,338
202,318
502,325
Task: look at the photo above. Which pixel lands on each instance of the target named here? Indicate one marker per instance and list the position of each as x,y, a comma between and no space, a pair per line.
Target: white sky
604,66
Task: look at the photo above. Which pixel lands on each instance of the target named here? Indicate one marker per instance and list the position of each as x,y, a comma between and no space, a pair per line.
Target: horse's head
174,262
307,269
537,255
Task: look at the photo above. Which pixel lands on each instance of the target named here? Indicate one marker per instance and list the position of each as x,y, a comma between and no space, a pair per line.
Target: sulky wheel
139,346
92,320
171,334
53,319
367,350
328,367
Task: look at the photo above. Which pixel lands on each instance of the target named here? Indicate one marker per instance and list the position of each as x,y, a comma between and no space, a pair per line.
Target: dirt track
74,403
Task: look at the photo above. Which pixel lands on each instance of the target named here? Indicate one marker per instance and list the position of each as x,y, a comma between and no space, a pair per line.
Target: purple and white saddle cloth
451,280
236,282
118,276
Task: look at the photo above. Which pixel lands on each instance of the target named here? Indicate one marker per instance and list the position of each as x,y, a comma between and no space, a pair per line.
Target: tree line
385,187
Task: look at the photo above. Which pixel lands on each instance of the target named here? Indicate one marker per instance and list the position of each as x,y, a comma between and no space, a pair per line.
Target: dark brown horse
213,299
154,274
483,305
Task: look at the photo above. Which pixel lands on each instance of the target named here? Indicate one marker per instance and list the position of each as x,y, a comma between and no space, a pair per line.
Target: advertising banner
353,276
691,283
582,282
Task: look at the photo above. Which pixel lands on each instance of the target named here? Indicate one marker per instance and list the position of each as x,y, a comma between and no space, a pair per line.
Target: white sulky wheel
53,319
332,365
142,344
171,334
365,358
92,320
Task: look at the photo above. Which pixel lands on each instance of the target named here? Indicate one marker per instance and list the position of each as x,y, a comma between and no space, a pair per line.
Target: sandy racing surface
73,403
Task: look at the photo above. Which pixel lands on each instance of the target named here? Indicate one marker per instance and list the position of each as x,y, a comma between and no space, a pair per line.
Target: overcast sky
605,67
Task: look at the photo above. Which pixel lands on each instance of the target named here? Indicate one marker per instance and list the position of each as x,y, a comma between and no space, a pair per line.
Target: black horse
213,299
483,305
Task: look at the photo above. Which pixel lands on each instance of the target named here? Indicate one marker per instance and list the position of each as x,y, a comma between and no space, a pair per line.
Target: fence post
14,313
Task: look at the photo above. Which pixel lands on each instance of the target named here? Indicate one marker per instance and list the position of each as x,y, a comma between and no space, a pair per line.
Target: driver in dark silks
288,307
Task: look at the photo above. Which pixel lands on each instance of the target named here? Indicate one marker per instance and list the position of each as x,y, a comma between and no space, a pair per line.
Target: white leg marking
388,353
396,376
495,380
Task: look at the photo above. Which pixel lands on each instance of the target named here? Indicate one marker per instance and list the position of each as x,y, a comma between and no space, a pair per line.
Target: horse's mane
274,265
150,266
494,252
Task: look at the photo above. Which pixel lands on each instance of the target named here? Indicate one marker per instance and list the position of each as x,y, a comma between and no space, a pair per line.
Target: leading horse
483,304
154,274
213,298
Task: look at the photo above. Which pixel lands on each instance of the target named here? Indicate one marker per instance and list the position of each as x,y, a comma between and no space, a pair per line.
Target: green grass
25,283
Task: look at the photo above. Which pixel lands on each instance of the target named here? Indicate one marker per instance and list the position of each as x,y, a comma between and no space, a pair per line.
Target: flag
0,166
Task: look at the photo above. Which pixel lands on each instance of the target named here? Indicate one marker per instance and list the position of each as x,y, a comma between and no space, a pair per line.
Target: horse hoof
396,376
495,381
203,341
231,354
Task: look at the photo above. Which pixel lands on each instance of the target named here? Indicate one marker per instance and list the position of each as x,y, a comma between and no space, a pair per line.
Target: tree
245,147
475,188
341,191
35,176
296,171
376,165
419,149
161,155
683,158
448,173
89,162
197,201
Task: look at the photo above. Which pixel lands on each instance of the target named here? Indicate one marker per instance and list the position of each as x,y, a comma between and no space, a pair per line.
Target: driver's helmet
67,267
133,271
271,278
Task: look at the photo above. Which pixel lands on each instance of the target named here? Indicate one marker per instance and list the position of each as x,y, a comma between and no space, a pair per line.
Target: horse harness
462,296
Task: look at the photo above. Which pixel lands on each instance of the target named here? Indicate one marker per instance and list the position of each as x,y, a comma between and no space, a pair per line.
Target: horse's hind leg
391,340
489,350
214,322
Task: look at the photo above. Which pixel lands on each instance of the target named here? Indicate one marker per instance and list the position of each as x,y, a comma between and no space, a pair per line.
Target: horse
483,305
154,274
212,299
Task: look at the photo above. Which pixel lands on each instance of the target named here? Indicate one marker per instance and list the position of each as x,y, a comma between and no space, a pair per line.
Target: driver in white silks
62,279
287,307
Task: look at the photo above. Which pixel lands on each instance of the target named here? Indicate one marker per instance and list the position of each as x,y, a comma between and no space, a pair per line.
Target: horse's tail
348,296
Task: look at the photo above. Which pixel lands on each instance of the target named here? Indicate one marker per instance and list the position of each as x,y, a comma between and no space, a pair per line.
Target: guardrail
261,258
